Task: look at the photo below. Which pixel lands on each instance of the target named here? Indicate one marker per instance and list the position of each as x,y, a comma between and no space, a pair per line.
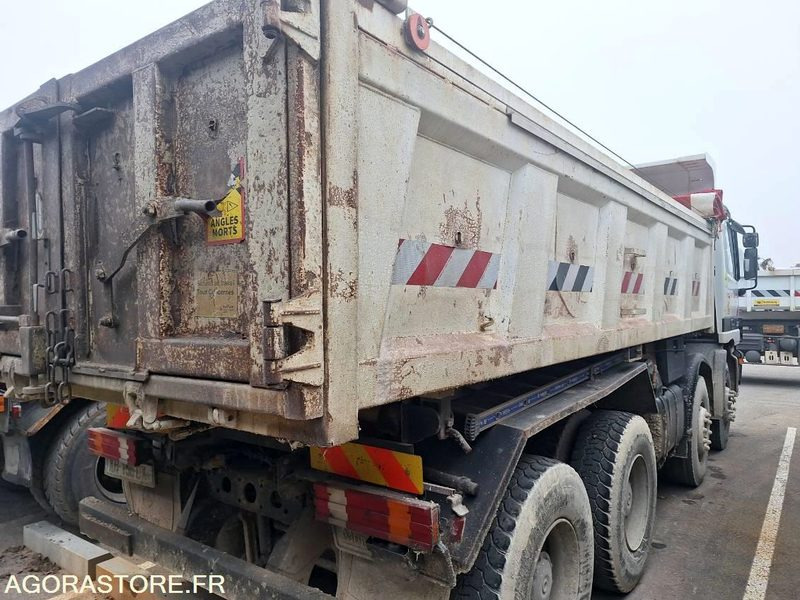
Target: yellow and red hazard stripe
407,521
389,468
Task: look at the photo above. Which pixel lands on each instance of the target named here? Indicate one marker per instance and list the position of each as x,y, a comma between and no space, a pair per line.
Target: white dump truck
770,315
365,322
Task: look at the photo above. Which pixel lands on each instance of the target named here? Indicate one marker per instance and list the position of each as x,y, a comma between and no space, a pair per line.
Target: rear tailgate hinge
293,340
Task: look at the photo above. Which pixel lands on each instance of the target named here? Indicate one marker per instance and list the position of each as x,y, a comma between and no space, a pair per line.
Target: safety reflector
389,468
406,521
117,416
115,445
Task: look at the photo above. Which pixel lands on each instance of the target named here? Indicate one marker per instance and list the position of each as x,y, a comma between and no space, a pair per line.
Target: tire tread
486,576
56,487
593,458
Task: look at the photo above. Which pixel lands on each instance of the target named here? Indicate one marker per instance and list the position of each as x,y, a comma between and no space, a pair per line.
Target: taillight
117,416
116,446
388,516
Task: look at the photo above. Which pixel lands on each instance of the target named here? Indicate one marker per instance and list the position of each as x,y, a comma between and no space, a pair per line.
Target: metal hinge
287,358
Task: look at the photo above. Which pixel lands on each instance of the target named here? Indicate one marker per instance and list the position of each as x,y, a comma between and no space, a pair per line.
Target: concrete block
70,552
119,568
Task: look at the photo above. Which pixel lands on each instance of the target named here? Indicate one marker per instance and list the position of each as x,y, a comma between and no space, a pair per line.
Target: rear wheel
614,456
691,469
71,472
540,542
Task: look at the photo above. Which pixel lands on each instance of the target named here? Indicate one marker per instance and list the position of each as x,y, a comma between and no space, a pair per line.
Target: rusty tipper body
296,223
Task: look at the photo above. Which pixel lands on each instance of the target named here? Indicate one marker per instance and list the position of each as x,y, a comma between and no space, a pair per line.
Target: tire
71,472
615,457
721,428
691,470
541,538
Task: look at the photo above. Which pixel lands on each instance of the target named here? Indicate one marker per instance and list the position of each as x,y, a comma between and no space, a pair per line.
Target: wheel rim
636,503
110,487
703,433
557,570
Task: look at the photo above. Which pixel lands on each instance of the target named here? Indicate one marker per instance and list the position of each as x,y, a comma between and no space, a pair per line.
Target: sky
650,79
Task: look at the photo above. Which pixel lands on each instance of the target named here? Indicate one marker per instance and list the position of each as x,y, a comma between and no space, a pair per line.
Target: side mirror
750,264
750,240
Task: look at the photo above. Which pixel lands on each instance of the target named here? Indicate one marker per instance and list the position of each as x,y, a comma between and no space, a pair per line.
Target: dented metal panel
384,223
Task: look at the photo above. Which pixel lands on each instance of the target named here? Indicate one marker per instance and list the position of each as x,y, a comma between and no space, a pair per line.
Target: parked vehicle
366,320
770,314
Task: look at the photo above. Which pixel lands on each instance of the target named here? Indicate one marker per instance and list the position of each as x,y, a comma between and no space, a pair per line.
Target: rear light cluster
15,408
117,446
403,520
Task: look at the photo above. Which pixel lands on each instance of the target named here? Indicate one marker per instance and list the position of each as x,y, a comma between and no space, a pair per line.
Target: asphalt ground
705,538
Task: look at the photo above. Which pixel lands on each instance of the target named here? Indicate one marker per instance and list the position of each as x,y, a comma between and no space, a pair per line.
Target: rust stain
461,226
338,196
343,286
572,250
500,354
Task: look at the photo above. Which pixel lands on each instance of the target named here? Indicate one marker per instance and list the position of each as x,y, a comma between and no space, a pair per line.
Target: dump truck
364,322
770,316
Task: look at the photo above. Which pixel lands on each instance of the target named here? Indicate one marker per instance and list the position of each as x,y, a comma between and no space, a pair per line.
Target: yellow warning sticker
228,227
767,302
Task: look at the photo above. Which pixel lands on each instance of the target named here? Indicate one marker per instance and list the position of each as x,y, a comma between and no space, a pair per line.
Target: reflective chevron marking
632,283
389,468
670,286
774,293
566,277
424,263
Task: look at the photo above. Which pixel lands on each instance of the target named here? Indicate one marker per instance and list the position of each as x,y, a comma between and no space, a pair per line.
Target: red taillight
115,445
16,410
117,416
403,520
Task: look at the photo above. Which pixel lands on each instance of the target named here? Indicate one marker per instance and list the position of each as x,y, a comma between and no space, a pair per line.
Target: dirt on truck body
355,307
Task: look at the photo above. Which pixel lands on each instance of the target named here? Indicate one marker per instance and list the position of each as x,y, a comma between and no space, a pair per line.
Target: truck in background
770,316
363,321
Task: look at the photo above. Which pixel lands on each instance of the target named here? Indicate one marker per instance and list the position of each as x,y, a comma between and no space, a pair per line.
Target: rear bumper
115,527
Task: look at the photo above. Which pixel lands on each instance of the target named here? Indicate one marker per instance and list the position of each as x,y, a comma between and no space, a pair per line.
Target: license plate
140,474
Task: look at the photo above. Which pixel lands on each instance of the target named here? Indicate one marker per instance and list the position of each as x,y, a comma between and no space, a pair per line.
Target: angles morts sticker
228,227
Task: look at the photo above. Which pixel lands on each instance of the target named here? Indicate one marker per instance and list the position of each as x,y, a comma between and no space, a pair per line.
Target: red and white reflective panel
115,445
632,283
407,521
708,204
423,263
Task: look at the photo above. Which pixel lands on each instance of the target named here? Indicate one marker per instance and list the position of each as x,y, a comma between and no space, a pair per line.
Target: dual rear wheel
560,527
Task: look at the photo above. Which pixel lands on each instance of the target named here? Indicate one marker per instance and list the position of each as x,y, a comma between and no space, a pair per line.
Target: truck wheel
691,470
540,542
721,428
71,472
614,456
